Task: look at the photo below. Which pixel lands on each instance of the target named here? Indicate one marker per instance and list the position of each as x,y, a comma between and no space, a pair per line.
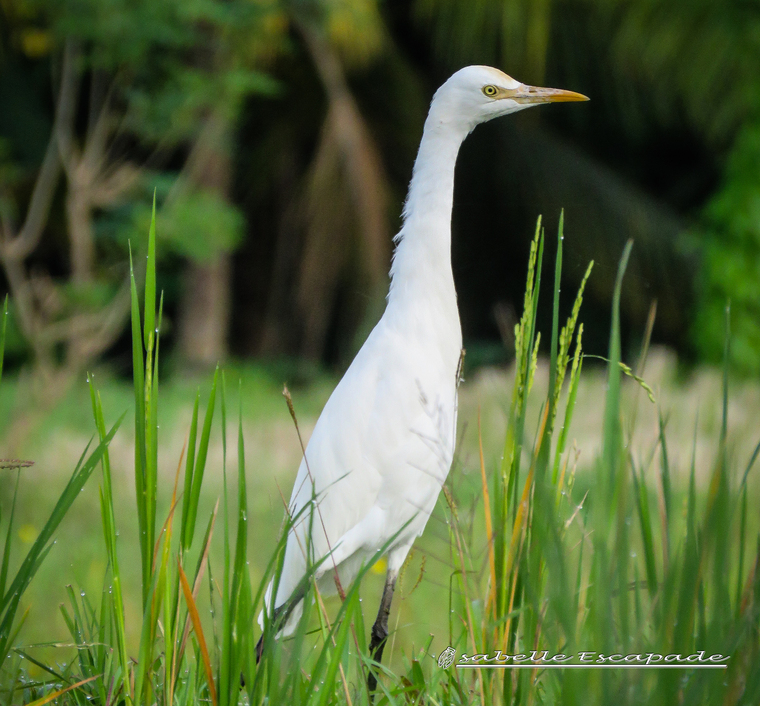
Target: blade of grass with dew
200,465
232,648
7,545
189,470
202,561
645,522
196,620
105,656
138,377
145,381
171,602
150,475
166,586
30,565
666,487
54,695
143,670
76,623
109,534
225,652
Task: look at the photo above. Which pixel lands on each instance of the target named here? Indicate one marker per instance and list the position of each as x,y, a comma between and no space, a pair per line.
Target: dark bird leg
380,628
275,621
281,615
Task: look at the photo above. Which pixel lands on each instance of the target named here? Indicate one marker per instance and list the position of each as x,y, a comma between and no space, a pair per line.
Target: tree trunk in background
346,210
79,208
205,312
204,309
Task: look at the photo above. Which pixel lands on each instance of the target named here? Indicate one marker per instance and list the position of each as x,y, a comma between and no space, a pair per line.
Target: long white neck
422,262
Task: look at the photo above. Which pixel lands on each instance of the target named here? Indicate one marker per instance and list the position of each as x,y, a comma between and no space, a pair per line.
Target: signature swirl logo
446,658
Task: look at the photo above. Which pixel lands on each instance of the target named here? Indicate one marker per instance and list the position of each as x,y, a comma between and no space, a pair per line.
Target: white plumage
383,445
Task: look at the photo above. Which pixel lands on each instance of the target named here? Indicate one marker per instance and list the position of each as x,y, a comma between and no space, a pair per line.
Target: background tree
335,227
313,169
144,96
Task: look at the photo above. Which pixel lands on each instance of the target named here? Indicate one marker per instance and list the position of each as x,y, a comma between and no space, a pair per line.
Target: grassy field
274,453
631,527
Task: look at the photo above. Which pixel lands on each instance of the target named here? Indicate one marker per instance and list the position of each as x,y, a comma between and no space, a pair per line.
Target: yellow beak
535,94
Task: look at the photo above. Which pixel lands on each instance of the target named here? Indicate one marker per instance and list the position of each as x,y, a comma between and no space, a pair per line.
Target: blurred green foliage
195,224
703,58
670,65
732,257
683,64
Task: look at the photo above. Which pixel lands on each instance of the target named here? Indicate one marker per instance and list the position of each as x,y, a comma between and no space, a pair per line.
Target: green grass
593,520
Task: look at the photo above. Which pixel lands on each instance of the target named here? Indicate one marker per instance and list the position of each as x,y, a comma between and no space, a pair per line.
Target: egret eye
490,91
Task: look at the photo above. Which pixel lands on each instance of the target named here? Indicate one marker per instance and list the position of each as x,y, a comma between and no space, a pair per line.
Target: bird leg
280,616
380,628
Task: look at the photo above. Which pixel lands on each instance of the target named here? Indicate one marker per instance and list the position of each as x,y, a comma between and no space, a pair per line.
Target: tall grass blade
150,281
138,376
42,546
7,546
200,465
189,471
665,483
198,628
109,535
612,437
54,695
553,350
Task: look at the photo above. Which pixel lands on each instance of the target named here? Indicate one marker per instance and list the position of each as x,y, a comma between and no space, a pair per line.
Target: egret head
476,94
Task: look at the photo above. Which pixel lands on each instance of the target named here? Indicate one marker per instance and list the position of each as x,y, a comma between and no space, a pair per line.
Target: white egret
384,443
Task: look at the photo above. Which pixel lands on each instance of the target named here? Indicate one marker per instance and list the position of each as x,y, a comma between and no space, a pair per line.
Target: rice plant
622,583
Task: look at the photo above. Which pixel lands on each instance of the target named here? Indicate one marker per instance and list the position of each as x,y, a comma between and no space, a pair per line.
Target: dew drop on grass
82,594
